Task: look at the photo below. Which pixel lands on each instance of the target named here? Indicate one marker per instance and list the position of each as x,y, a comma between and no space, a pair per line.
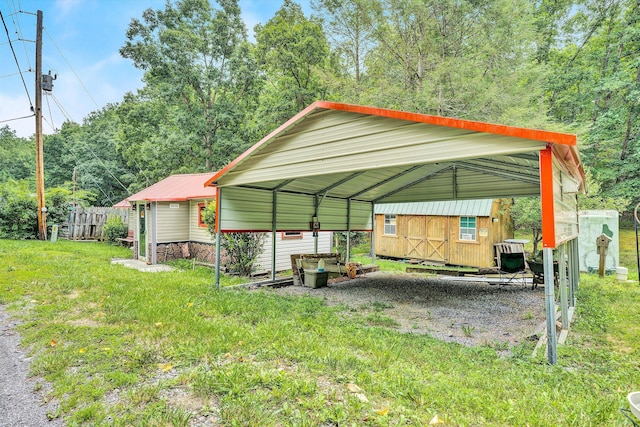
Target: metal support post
550,306
373,234
562,279
348,254
273,234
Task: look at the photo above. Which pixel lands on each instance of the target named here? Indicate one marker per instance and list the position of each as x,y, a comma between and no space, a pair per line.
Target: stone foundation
203,252
170,251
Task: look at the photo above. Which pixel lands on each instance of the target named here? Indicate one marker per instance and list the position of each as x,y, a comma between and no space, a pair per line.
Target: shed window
467,228
290,235
390,224
201,208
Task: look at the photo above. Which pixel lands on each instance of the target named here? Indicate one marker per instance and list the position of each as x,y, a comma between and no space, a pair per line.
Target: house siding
285,248
172,224
196,232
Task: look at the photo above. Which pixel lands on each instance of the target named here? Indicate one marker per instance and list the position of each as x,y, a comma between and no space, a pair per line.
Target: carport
326,168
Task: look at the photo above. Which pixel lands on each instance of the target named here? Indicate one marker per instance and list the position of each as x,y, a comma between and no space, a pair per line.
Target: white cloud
66,6
12,107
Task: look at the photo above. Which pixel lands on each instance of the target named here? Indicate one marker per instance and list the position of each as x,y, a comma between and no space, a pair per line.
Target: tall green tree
198,63
85,157
349,26
464,59
151,141
17,156
594,84
291,50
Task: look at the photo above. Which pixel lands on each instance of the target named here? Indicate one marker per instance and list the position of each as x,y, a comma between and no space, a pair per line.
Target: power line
91,150
91,177
16,24
11,75
16,59
64,112
17,118
52,125
72,70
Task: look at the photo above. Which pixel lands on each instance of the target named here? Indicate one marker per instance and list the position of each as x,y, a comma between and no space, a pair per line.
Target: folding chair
511,266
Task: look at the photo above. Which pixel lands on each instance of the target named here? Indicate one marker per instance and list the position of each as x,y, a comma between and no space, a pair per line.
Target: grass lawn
125,348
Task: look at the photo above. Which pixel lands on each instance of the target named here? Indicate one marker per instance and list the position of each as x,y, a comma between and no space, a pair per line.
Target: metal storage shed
327,166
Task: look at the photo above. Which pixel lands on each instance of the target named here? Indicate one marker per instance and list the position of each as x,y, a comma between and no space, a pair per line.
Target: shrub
360,243
114,229
241,249
18,211
19,208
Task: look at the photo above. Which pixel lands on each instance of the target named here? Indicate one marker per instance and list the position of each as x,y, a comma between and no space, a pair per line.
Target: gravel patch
468,313
20,404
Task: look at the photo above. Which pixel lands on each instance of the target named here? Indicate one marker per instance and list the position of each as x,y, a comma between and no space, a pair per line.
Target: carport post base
550,305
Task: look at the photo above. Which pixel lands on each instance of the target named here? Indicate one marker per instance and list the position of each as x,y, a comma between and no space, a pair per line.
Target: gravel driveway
469,313
20,405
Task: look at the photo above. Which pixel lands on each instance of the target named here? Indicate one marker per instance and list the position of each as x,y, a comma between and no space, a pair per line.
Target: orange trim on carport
533,134
547,199
525,133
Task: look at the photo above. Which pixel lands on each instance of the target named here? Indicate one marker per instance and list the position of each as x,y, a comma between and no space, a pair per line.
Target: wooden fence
88,223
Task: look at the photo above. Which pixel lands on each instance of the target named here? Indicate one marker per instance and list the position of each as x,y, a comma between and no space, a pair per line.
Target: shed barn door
415,240
437,245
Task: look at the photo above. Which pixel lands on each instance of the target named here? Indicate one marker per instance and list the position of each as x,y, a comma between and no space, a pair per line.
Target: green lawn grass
124,348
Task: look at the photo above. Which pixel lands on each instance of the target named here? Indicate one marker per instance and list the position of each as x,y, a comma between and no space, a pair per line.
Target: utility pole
42,210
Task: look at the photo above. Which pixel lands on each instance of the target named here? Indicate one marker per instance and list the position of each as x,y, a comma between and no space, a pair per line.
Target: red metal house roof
177,188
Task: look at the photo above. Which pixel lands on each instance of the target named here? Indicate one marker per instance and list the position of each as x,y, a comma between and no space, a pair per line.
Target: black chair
512,266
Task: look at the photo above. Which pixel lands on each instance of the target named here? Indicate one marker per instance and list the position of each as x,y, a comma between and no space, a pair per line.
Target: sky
81,39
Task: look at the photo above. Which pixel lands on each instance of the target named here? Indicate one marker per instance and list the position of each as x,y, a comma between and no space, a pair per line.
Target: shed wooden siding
197,233
172,224
437,238
285,248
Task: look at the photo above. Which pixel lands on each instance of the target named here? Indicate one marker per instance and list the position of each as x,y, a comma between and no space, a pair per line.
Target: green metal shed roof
480,207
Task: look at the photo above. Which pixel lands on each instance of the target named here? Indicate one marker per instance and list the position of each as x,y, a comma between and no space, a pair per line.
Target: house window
390,224
290,235
467,228
201,208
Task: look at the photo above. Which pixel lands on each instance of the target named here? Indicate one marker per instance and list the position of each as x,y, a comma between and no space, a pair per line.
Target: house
458,232
166,219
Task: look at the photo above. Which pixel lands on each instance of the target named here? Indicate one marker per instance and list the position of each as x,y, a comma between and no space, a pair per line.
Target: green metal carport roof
331,153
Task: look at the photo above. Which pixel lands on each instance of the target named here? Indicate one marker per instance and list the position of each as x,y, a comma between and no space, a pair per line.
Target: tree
549,14
18,211
18,208
349,26
527,215
150,141
198,63
463,59
594,83
290,49
86,156
596,199
17,156
527,211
